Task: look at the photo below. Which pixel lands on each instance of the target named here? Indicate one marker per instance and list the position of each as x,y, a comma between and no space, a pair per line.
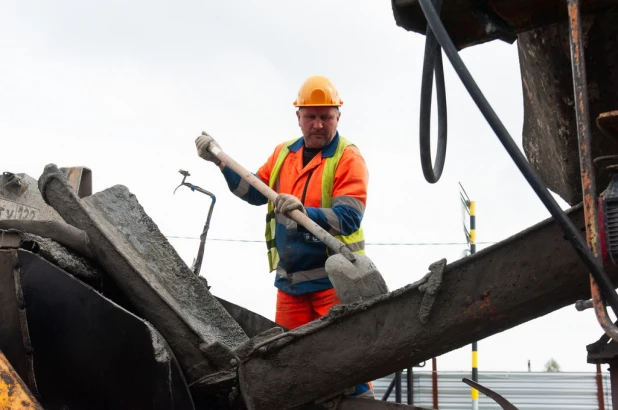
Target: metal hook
197,263
504,403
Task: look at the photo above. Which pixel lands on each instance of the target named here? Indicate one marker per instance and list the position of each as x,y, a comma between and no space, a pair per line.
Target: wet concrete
62,257
131,249
356,281
59,231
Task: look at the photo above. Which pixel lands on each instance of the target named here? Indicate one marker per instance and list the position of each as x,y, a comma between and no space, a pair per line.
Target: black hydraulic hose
570,231
432,62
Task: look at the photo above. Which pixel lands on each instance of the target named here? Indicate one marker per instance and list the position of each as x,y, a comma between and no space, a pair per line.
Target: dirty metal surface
11,343
550,129
502,402
14,395
524,277
59,231
608,124
604,353
9,239
252,323
132,250
471,22
20,199
80,179
68,260
89,353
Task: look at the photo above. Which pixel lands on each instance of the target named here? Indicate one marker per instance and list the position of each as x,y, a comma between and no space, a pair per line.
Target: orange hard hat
318,91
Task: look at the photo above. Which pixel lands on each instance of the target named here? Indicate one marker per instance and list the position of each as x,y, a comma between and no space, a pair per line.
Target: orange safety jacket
300,256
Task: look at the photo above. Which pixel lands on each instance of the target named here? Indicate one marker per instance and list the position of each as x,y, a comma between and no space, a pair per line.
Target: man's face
318,124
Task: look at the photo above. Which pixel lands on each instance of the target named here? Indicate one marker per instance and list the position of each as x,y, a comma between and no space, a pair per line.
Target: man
323,175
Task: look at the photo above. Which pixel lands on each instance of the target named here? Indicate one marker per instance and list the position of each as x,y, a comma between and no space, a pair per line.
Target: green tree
552,366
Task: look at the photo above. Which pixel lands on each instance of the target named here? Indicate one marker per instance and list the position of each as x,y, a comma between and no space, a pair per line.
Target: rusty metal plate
471,22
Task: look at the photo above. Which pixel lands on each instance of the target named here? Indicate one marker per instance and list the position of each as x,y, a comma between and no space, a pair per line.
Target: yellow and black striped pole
470,207
475,370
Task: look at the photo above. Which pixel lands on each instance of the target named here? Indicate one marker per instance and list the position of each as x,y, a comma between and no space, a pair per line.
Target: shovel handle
297,216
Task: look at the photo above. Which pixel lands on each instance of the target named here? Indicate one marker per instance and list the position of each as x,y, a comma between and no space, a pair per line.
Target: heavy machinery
98,311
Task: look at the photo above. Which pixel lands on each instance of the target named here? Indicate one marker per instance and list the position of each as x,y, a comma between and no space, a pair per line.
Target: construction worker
321,174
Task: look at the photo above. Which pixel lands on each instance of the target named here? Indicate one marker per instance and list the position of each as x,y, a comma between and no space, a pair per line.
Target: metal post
389,390
409,380
613,377
600,398
434,382
475,376
475,370
589,186
398,386
470,207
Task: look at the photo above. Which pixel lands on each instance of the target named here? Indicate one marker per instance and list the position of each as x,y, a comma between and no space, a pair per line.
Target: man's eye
326,118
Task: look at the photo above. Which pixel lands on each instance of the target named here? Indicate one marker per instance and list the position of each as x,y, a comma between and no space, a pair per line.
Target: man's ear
298,115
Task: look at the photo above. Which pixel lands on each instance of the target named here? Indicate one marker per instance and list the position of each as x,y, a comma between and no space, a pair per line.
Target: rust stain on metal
483,309
573,8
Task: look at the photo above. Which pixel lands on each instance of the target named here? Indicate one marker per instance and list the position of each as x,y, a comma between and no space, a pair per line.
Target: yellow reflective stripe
271,222
328,176
357,236
355,242
274,174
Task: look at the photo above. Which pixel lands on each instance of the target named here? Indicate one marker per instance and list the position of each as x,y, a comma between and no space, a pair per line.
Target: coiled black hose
432,62
570,231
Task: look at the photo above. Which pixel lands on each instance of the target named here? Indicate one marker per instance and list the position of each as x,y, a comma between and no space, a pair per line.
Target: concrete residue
159,347
60,256
430,288
355,281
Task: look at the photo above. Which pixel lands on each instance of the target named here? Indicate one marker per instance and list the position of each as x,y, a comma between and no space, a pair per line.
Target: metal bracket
504,403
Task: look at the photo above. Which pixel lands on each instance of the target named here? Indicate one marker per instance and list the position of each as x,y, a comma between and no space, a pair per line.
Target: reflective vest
354,241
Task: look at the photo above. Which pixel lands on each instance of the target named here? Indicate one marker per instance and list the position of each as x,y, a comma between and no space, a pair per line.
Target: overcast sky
125,87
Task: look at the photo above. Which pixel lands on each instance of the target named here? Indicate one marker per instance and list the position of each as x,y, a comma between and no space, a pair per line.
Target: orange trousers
297,310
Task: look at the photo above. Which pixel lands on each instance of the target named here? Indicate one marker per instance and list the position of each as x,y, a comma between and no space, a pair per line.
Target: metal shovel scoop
354,277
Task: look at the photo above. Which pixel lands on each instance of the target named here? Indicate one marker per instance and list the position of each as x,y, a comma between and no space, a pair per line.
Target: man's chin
317,141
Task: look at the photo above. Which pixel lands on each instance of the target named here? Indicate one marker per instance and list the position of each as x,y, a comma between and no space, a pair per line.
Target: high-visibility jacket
333,189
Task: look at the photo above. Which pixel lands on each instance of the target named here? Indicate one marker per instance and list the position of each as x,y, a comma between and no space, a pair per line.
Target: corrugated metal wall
525,390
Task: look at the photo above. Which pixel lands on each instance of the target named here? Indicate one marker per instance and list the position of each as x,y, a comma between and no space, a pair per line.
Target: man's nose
317,124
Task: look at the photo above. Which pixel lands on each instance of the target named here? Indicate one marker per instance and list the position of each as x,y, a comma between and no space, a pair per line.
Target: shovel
354,277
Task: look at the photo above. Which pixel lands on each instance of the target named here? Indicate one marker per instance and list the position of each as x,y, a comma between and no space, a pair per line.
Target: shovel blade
357,281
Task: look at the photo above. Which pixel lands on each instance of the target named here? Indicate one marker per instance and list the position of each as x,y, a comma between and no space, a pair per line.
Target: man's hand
202,143
285,203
